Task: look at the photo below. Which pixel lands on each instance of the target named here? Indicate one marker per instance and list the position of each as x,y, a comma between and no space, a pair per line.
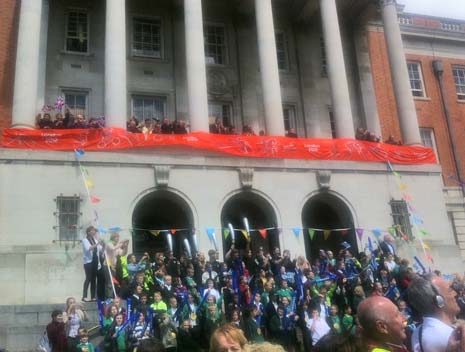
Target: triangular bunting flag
412,209
245,233
429,257
78,153
94,199
311,233
405,238
359,234
225,233
84,170
396,174
392,231
326,234
402,186
101,230
263,233
280,230
296,231
210,232
423,232
407,197
425,246
417,220
155,232
173,231
377,232
89,183
115,228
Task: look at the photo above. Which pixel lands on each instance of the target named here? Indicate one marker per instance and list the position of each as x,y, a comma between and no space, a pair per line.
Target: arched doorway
260,215
161,210
326,211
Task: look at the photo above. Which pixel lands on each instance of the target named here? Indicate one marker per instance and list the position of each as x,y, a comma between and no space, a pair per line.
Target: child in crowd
84,344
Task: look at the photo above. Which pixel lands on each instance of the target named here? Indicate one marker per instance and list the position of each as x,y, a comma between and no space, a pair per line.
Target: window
220,110
451,26
400,216
77,102
428,140
215,44
289,117
148,107
147,37
416,79
77,31
324,64
281,50
332,122
68,216
459,78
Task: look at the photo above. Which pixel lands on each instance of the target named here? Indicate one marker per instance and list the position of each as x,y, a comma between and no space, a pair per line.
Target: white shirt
435,336
321,329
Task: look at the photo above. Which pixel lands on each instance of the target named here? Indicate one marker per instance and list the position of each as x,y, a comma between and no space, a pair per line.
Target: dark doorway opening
161,210
260,215
326,211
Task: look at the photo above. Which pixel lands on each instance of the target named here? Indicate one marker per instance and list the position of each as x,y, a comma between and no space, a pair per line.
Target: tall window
281,50
332,122
221,110
324,63
77,31
76,101
416,79
428,140
289,117
215,44
459,78
68,216
147,37
148,107
400,217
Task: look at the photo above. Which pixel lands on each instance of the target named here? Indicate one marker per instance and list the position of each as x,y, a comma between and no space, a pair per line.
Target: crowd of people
369,301
67,121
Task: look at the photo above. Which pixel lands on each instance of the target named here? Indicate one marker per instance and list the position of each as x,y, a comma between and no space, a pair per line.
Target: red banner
238,145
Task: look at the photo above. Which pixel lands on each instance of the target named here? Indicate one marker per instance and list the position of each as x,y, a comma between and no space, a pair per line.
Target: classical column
43,56
195,66
115,64
269,68
336,70
400,78
27,64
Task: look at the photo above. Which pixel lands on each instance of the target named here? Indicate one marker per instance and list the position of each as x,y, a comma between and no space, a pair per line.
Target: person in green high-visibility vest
383,325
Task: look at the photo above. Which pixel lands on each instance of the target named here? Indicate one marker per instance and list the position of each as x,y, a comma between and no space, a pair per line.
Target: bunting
326,234
263,233
311,233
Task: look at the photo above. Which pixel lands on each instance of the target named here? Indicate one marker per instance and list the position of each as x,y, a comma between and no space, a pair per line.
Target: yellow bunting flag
425,246
89,183
326,234
155,232
402,186
245,233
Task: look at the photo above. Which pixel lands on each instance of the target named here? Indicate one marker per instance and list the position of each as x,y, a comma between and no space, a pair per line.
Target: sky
442,8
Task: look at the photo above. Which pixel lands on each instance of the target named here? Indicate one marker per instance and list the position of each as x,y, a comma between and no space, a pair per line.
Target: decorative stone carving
246,177
323,178
217,82
162,175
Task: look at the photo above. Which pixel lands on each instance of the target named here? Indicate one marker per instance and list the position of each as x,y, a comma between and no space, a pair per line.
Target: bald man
434,299
382,325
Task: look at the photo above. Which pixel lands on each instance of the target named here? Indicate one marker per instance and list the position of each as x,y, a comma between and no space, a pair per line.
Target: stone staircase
22,326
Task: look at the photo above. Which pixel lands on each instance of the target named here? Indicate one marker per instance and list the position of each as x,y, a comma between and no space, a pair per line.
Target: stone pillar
269,70
115,99
336,70
400,78
43,57
195,66
27,64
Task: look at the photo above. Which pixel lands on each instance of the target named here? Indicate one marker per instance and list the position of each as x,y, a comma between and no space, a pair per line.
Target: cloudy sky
442,8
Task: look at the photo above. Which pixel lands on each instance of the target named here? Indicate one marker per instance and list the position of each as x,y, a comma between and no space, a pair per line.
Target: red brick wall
9,15
430,111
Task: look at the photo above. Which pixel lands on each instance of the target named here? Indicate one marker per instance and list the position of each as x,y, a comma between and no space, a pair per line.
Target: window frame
401,218
432,137
67,13
294,124
420,79
285,50
64,230
134,17
223,103
151,96
460,96
77,91
225,44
